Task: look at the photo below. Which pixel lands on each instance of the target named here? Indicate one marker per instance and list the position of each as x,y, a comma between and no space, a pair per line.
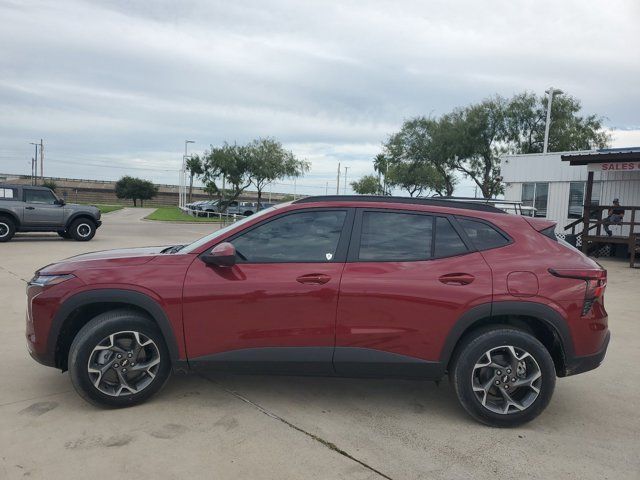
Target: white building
557,189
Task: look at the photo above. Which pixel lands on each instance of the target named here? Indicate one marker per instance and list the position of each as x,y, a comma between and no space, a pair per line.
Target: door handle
457,279
313,279
30,208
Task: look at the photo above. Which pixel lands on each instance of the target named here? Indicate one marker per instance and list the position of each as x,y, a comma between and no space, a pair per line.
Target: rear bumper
587,362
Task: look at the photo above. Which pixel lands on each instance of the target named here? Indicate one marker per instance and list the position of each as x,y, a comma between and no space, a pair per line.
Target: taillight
596,280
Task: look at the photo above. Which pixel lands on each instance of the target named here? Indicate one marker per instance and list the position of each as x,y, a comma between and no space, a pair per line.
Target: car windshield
212,236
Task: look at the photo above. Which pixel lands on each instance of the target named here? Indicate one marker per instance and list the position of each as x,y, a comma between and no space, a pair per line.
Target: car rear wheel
7,229
118,359
82,230
503,377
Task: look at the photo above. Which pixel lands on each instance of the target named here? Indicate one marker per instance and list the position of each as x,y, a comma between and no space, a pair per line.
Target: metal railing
592,228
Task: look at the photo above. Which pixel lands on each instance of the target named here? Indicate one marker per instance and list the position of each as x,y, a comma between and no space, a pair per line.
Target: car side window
483,235
7,193
395,236
303,237
448,242
39,196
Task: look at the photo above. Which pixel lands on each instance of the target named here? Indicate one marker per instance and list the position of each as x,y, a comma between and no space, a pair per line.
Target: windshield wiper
173,249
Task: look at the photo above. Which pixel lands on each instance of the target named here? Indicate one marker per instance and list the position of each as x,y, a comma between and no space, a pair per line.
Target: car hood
107,258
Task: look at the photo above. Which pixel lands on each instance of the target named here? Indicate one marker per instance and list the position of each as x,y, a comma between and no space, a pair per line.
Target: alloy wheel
506,379
4,229
124,363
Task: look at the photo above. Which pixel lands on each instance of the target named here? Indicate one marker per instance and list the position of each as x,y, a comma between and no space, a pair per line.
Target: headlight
48,280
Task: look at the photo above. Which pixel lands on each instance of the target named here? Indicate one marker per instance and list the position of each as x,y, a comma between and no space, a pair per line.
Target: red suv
347,286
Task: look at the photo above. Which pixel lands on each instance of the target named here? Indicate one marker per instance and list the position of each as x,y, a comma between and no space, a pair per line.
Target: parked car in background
25,208
346,286
194,205
233,208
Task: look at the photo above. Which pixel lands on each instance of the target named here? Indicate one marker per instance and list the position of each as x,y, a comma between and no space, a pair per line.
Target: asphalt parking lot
292,427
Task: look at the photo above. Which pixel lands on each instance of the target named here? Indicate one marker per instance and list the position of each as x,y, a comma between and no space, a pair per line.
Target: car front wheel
118,359
503,377
7,229
82,230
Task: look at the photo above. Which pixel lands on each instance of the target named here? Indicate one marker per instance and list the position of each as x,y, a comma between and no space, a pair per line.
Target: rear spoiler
540,224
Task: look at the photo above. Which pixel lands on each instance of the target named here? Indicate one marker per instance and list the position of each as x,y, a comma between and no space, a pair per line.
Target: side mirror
60,202
222,255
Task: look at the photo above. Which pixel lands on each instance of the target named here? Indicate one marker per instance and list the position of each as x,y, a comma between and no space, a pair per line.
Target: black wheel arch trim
78,215
12,215
116,296
539,311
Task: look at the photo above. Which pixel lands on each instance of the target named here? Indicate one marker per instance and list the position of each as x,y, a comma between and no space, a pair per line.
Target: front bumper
98,223
587,362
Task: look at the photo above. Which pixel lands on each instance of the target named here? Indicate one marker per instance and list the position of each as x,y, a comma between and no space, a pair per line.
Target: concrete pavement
292,427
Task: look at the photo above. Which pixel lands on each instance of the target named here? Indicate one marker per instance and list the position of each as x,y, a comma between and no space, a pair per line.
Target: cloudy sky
115,87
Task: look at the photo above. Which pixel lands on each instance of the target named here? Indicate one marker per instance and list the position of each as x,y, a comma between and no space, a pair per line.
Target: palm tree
194,167
381,165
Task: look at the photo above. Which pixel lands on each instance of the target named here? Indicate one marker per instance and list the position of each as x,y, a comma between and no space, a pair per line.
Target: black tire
248,213
121,324
467,366
7,228
82,230
63,234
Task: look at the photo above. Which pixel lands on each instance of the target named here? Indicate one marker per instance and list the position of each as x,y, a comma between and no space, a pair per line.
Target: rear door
409,277
40,209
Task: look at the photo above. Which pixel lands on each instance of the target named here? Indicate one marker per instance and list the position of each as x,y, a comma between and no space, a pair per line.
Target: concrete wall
103,192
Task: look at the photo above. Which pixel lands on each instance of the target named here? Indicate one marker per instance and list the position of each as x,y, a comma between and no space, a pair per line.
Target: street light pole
182,194
346,170
550,93
34,171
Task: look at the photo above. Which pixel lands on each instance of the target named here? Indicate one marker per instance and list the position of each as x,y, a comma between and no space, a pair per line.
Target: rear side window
393,236
448,242
7,193
482,235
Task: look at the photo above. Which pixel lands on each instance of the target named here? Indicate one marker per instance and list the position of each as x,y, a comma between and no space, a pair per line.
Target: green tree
50,184
417,147
477,135
135,189
268,160
227,165
417,178
367,185
194,167
473,138
525,118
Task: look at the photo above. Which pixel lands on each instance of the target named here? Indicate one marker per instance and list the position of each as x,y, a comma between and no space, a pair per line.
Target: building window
535,195
577,192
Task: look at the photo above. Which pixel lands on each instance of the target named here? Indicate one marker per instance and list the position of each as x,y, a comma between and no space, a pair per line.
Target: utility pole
550,93
338,185
41,161
295,187
34,179
346,169
326,189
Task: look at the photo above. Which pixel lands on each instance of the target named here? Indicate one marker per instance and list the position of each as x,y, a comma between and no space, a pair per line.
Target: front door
41,209
275,310
410,276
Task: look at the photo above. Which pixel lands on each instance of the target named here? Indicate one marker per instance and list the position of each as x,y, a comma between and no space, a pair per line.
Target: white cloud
114,79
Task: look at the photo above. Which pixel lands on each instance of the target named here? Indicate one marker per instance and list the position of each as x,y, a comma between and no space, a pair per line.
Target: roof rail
432,201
